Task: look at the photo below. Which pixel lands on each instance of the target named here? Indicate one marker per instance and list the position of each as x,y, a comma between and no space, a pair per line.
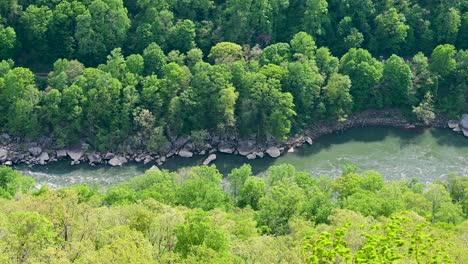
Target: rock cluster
13,151
459,126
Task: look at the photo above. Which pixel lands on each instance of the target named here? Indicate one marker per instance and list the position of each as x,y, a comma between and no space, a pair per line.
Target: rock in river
274,152
464,124
210,159
43,158
117,161
185,153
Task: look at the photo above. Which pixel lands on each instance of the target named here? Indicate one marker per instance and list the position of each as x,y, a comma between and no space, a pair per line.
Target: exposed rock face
246,147
309,140
464,124
61,153
109,155
43,158
251,156
154,168
452,124
185,153
75,154
259,154
35,151
117,161
3,154
5,138
274,152
94,158
225,147
211,158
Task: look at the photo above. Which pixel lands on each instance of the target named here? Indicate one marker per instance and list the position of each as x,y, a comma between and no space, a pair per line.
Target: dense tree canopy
191,217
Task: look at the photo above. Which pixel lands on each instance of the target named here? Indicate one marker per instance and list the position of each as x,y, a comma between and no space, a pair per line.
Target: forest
134,74
193,216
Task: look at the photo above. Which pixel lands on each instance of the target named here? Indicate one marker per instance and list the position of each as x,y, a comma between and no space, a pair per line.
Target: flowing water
427,154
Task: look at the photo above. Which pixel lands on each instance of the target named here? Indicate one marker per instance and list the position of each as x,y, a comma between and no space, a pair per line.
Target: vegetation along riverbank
286,216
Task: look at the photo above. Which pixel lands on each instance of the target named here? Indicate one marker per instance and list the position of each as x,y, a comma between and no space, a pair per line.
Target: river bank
15,151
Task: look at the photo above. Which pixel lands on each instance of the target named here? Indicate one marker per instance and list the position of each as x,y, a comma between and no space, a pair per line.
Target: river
427,154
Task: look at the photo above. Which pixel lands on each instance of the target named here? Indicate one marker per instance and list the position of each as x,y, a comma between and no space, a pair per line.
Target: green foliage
185,217
11,182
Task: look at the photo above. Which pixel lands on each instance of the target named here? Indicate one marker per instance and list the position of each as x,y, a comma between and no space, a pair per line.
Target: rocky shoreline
14,151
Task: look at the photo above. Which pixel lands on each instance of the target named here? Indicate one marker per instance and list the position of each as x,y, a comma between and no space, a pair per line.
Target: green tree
337,98
365,73
390,31
278,206
396,82
202,189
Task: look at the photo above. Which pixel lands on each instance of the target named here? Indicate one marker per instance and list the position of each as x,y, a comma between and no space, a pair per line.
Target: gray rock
75,154
5,139
147,160
109,156
465,132
180,142
43,158
210,159
251,156
154,168
3,154
274,152
203,152
94,158
117,161
309,140
8,163
185,153
246,147
452,124
35,151
259,154
225,147
457,129
61,153
464,121
291,150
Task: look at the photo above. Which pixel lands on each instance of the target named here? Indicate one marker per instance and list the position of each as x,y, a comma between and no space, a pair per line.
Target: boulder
43,158
291,150
154,168
274,152
8,163
5,139
251,156
246,147
210,159
309,140
259,154
117,161
464,124
452,124
457,129
94,158
465,132
185,153
109,156
61,153
180,142
3,154
35,151
75,154
225,147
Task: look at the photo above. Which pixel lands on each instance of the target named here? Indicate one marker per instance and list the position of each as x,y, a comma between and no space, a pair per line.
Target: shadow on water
449,139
